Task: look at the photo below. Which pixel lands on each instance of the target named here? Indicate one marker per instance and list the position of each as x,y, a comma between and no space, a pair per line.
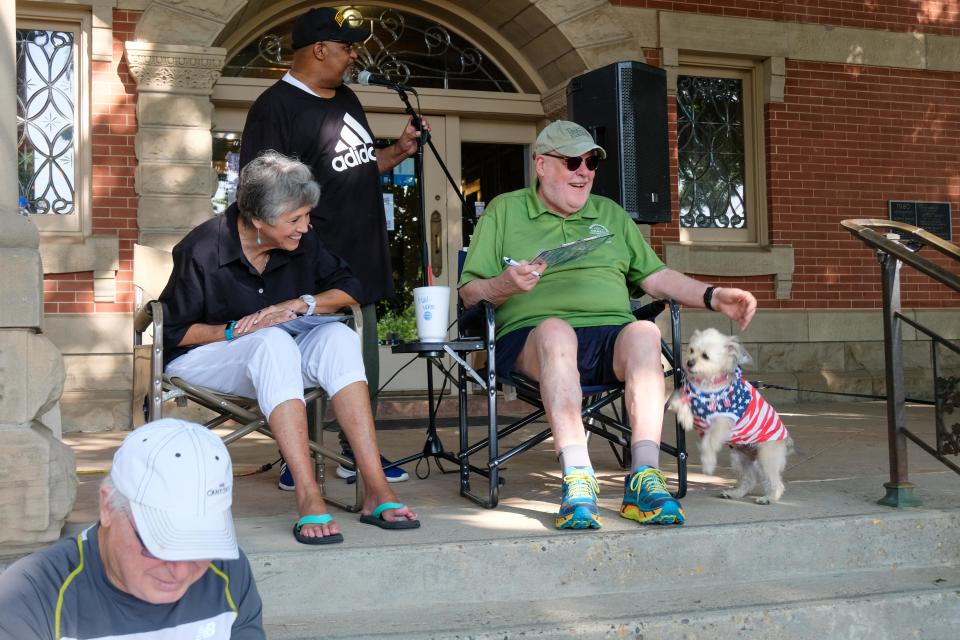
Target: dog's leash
759,384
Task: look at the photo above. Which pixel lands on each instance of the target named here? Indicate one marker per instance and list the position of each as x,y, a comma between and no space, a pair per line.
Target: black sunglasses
574,163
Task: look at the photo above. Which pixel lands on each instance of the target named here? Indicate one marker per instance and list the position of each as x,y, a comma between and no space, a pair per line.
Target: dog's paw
762,500
727,495
685,417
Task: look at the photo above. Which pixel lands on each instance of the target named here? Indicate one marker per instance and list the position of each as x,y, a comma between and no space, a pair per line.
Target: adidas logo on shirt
355,146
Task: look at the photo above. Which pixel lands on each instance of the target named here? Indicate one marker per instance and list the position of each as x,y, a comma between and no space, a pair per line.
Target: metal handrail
899,244
863,228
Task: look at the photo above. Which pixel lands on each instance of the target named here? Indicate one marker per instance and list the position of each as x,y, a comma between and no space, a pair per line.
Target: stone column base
38,485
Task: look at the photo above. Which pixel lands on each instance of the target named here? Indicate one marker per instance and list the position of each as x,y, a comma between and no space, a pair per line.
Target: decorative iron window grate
46,120
405,47
711,154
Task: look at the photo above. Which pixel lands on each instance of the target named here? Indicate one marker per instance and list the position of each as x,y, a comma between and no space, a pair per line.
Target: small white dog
726,409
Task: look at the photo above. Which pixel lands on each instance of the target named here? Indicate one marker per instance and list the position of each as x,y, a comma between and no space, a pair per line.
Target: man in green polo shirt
570,324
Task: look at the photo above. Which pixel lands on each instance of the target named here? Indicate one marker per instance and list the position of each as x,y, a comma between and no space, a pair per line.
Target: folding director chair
612,424
152,388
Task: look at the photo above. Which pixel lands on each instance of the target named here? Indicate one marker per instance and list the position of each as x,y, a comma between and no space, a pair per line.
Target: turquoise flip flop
376,518
322,519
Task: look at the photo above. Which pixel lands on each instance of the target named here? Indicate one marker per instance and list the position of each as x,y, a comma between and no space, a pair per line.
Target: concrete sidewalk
825,562
839,468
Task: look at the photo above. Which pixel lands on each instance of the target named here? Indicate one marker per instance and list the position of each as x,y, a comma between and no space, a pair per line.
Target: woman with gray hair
234,278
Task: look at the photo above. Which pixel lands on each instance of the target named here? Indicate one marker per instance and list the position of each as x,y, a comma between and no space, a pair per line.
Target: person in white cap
162,562
570,325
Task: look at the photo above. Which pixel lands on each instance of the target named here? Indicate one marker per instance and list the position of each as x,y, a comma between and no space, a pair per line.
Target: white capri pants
273,366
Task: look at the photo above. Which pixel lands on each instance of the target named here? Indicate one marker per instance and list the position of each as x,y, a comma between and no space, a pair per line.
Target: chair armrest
357,320
470,320
143,318
650,310
473,320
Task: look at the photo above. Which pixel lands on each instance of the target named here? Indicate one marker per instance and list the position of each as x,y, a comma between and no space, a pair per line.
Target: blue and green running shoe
646,499
579,507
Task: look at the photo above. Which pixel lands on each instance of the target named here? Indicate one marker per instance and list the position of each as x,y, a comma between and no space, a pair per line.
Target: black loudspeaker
624,106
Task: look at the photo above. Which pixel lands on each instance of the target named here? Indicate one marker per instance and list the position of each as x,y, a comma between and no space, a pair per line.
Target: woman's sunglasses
574,163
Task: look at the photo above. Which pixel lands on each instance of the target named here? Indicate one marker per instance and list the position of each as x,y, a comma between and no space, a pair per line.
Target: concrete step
896,569
879,604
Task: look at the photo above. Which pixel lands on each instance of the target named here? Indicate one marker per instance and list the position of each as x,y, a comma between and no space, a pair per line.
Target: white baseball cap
178,478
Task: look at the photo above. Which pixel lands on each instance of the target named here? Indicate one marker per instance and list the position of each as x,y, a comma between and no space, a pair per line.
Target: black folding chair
601,415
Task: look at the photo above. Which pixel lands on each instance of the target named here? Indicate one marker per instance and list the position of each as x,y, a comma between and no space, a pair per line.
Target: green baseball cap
568,139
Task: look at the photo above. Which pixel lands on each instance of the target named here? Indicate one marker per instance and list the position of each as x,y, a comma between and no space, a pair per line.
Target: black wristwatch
708,298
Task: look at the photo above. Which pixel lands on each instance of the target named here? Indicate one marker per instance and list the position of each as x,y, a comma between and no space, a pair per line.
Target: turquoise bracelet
228,332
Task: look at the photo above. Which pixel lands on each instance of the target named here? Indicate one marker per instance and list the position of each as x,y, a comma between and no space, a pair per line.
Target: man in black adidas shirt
310,114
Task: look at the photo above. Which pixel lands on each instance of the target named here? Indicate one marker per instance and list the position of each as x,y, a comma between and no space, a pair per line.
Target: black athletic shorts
594,352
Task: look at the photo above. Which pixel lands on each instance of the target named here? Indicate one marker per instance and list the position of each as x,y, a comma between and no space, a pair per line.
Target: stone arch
180,48
540,44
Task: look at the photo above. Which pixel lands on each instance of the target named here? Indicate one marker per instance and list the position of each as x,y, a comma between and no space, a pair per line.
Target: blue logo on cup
427,315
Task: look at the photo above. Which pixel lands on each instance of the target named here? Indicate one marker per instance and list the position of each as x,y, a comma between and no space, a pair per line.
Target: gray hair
273,184
116,501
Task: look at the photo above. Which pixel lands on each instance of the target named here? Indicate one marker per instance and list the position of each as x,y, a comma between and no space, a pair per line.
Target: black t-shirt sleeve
263,130
332,272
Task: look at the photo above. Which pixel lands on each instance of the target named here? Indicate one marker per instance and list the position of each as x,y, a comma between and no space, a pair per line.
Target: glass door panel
404,227
489,169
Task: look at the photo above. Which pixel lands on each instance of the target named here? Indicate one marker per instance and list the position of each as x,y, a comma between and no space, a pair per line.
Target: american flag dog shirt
755,420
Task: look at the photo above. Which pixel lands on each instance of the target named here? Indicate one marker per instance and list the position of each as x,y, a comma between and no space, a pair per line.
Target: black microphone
374,79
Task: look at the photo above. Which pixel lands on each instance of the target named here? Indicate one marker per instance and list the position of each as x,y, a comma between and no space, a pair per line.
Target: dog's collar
699,382
727,380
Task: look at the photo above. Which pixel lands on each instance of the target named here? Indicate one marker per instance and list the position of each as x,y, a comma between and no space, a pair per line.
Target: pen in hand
510,262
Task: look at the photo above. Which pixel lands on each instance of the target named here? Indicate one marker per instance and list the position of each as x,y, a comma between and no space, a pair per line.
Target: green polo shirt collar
536,208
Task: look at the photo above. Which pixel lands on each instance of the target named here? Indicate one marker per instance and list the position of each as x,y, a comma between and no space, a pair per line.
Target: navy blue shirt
213,282
66,583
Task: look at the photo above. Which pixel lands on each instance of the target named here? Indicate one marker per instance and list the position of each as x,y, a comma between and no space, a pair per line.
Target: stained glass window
405,47
711,152
46,120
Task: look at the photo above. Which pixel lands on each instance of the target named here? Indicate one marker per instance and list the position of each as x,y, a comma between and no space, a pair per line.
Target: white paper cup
432,305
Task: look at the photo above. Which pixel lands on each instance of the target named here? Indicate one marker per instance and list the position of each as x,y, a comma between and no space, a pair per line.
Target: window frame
77,226
750,73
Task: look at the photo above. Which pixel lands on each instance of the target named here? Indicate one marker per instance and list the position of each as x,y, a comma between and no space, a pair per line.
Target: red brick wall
113,126
920,16
846,140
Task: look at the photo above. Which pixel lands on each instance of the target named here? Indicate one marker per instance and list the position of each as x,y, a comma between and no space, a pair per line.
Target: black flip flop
322,519
376,518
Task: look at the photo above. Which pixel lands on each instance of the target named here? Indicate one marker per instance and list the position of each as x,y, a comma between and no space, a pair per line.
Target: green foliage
403,325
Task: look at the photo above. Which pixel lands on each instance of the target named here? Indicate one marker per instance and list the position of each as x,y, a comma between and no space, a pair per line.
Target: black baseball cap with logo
325,24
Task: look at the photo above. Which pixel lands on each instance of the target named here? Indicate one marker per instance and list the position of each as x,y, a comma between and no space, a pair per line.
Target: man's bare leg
636,361
550,357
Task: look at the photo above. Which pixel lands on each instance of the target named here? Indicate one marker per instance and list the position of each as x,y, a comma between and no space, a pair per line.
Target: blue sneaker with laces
286,478
394,474
578,509
646,499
